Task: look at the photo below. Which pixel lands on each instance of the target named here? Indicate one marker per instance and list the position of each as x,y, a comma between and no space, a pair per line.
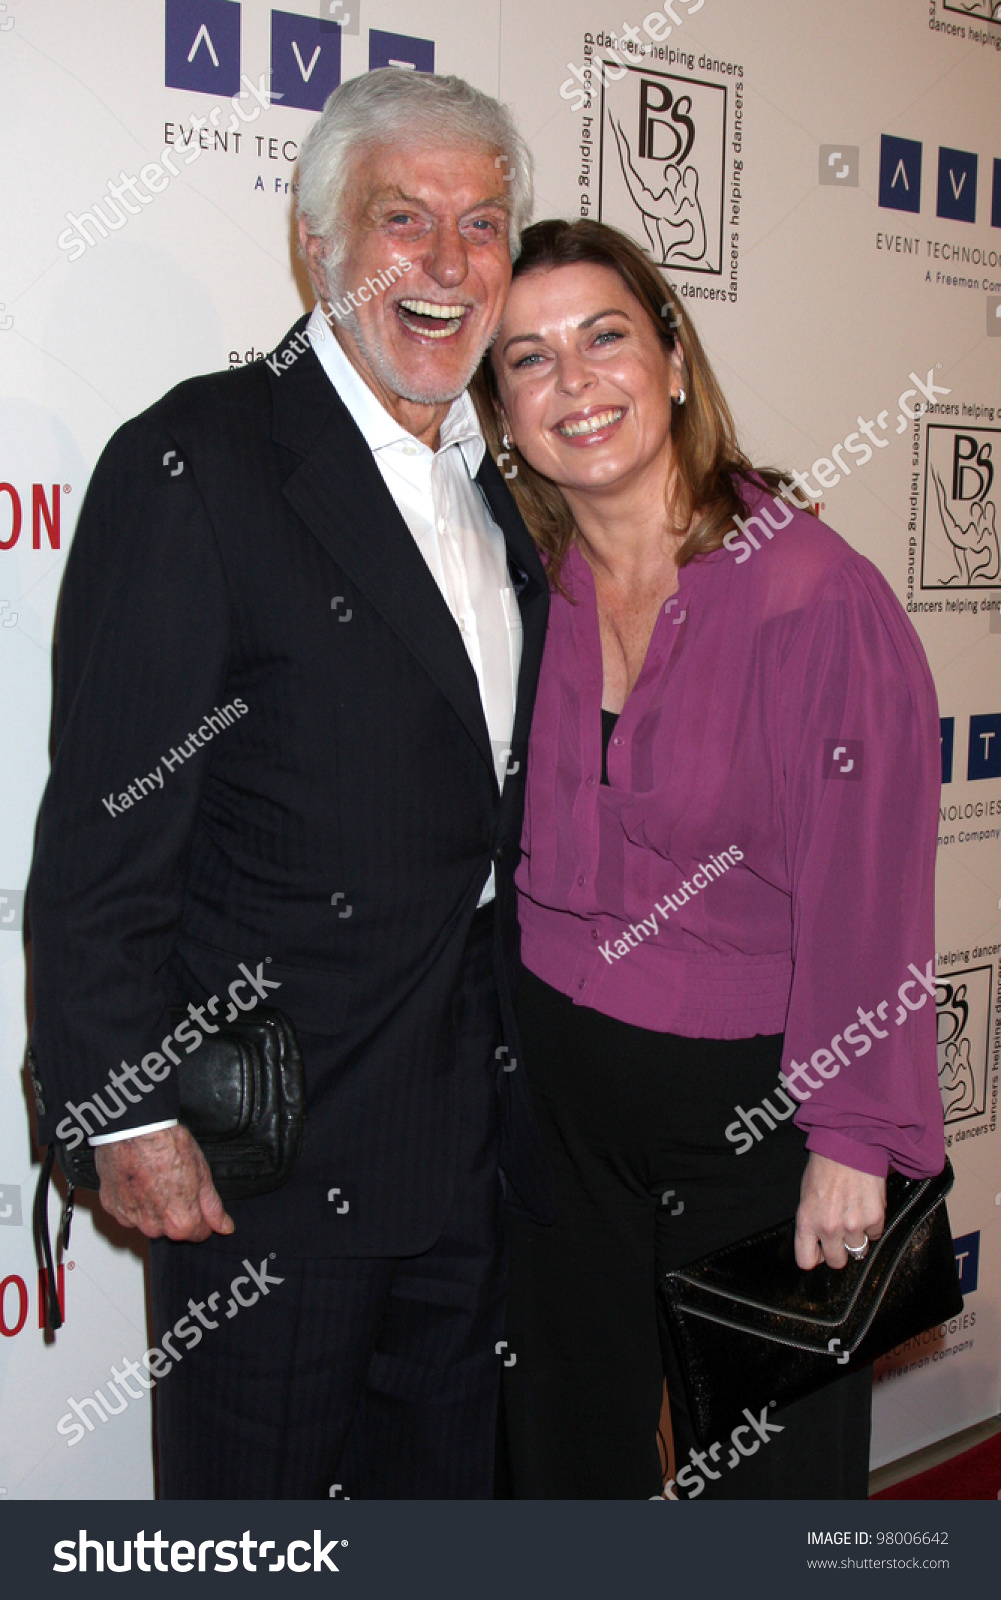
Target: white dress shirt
454,531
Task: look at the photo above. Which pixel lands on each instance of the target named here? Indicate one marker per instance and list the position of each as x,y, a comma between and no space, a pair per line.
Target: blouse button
617,739
594,933
580,880
590,782
582,982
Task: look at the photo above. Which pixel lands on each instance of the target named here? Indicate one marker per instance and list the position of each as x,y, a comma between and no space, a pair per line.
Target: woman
727,869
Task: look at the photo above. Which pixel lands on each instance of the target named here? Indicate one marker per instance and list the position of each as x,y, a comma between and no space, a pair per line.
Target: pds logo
960,536
662,164
963,1006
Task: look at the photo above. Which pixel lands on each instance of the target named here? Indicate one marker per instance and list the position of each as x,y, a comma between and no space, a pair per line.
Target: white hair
390,106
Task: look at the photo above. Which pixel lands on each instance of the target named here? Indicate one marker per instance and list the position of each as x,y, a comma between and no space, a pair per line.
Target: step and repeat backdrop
822,182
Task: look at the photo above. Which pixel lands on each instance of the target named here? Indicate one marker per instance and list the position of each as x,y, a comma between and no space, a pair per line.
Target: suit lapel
341,496
532,589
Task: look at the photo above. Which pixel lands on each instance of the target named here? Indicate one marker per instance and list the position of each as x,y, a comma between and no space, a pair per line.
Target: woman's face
584,380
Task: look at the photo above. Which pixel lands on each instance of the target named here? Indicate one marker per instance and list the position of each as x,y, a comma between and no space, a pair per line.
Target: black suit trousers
354,1377
634,1125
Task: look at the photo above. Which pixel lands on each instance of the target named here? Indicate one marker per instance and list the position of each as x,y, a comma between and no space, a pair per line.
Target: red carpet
975,1475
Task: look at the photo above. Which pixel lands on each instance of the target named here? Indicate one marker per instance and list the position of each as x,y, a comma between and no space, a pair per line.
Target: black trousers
368,1379
646,1180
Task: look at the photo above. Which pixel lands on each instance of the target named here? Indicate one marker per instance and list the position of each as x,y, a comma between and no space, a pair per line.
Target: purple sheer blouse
762,859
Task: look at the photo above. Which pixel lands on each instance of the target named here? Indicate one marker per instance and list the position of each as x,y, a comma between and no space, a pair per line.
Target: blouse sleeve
859,741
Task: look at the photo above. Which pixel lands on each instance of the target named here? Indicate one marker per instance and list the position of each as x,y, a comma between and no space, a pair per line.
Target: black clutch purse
751,1328
242,1095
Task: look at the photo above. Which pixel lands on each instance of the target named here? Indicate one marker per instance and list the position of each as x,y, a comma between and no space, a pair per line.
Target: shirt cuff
132,1133
850,1152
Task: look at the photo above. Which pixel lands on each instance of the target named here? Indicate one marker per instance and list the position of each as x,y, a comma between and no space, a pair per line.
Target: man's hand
837,1205
160,1183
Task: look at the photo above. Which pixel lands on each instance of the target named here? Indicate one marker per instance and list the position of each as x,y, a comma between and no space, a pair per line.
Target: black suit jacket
238,540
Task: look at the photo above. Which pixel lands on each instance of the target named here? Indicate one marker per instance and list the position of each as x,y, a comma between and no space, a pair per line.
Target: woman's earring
680,397
506,442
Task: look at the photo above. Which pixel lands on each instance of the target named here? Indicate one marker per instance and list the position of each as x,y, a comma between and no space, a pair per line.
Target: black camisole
608,721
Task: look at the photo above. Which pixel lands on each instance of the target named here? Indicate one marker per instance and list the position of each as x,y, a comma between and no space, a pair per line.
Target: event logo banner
202,46
663,165
960,532
989,10
963,1015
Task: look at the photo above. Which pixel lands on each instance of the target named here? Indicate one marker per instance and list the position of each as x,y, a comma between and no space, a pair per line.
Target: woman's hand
837,1206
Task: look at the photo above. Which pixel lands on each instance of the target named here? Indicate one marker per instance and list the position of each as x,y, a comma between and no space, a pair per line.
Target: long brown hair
710,463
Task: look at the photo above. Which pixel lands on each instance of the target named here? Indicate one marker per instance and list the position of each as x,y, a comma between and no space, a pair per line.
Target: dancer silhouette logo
663,163
963,1010
961,528
988,10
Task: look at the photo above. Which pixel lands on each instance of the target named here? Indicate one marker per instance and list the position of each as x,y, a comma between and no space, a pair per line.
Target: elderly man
322,538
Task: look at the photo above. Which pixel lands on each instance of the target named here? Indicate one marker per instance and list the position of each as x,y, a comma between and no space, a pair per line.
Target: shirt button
582,982
580,880
409,449
442,525
590,782
594,933
617,739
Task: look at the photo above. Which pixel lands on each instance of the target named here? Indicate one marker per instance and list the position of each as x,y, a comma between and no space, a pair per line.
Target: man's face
446,211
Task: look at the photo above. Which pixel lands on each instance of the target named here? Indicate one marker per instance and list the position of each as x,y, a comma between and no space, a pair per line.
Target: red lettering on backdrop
22,1296
39,511
45,509
15,516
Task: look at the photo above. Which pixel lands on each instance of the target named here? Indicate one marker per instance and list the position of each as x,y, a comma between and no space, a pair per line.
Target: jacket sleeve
142,648
860,741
